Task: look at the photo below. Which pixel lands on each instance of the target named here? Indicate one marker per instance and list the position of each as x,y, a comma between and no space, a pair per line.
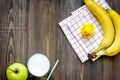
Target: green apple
17,71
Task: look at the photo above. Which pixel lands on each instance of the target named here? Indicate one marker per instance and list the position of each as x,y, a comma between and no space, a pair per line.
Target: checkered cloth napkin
71,27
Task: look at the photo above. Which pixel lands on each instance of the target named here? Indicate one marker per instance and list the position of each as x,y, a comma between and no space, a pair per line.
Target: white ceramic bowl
38,65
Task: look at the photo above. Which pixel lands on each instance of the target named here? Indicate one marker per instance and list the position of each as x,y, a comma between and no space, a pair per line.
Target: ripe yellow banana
105,21
115,47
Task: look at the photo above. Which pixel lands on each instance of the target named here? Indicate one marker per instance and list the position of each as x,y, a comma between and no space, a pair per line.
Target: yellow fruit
87,30
105,21
115,47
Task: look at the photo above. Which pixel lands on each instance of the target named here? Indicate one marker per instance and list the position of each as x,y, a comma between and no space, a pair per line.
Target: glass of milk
38,65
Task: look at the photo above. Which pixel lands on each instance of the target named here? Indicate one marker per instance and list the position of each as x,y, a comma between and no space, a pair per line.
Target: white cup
38,65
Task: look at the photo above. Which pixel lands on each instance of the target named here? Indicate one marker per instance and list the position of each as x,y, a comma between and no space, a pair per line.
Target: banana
115,47
105,21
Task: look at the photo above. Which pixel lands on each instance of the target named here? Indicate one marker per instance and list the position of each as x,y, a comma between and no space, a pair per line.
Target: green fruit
17,71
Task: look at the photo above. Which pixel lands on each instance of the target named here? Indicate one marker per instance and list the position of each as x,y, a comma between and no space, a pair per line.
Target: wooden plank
31,26
60,11
116,67
17,37
42,30
107,68
3,37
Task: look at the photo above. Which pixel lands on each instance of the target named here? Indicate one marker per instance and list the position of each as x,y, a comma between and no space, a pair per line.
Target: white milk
38,65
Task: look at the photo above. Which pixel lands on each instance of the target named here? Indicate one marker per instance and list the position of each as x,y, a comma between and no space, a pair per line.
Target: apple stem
13,70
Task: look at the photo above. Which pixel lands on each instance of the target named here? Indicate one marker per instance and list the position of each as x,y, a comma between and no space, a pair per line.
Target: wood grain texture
31,26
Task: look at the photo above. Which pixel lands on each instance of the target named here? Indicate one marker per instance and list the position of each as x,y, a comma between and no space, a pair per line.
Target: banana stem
100,53
97,49
107,10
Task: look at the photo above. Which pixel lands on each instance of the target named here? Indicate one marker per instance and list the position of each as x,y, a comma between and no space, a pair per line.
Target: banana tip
92,56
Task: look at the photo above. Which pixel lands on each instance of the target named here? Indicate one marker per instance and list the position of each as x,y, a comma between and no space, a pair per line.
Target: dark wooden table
30,26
